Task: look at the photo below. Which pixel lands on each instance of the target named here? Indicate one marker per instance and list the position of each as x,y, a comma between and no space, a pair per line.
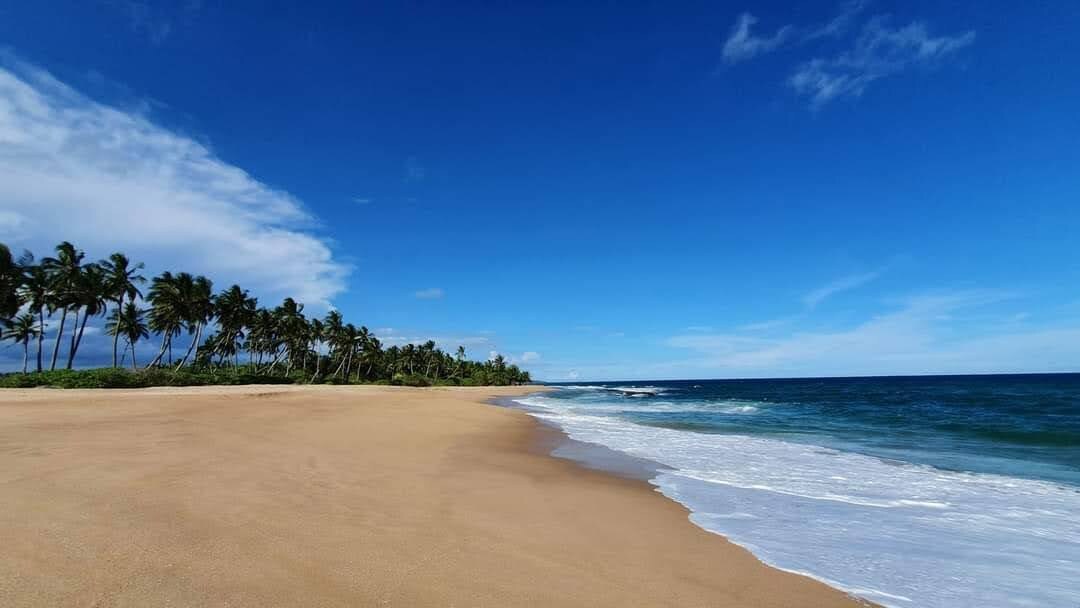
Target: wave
899,534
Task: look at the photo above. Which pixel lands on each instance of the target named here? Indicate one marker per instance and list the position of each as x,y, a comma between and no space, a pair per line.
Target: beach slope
338,496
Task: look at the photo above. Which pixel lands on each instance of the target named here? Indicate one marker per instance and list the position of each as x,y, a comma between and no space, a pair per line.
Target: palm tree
36,294
64,272
292,329
235,312
167,308
198,311
316,333
333,330
460,360
128,322
11,278
122,281
372,351
23,329
90,295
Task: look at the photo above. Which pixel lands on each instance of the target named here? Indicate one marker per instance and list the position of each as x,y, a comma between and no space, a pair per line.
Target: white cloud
572,375
920,337
108,180
879,51
820,294
528,356
432,293
742,44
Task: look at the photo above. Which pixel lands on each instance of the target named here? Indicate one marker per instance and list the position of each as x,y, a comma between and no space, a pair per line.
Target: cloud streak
847,283
919,337
879,51
742,44
105,179
431,293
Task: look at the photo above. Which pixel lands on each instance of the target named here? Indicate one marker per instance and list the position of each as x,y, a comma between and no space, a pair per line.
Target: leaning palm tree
167,309
129,323
292,328
64,271
460,360
36,294
23,329
90,296
199,310
122,281
235,312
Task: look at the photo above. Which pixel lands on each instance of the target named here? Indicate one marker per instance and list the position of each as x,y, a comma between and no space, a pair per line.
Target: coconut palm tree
167,308
198,311
90,296
235,312
128,322
35,293
11,279
292,329
460,360
65,272
316,334
122,281
23,329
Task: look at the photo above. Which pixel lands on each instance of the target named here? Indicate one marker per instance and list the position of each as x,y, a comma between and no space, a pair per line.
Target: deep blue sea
908,491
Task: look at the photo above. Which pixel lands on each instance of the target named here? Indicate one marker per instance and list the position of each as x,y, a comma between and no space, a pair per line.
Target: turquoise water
927,491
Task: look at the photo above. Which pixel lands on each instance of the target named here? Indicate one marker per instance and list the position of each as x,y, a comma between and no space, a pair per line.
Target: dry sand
337,496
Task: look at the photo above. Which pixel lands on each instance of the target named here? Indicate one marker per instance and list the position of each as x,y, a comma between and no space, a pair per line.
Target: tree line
228,330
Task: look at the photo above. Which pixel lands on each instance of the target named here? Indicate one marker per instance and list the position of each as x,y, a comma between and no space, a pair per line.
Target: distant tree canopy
229,332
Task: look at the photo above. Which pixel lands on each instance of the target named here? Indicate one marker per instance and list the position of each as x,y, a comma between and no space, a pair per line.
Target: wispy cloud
765,325
879,51
920,336
743,44
838,25
849,282
431,293
108,179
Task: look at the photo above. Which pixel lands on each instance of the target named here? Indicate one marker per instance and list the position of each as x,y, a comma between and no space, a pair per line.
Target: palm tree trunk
59,334
74,333
25,355
116,337
78,341
318,366
191,347
41,335
166,338
134,366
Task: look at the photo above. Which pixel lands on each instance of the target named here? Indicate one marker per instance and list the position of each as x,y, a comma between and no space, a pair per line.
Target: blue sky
639,190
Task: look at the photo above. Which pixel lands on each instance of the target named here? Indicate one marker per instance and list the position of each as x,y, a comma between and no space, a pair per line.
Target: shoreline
453,503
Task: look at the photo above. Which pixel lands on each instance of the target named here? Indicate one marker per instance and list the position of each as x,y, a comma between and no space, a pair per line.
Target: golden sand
337,496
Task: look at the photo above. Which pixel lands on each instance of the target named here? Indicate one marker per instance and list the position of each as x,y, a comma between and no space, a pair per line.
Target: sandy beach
338,496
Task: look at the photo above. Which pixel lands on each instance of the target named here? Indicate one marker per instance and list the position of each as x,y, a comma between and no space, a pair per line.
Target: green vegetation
232,340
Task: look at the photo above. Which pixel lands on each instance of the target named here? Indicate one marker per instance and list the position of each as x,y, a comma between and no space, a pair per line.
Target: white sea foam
898,534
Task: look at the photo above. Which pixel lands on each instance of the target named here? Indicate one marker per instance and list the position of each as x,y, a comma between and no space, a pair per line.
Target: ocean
939,491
